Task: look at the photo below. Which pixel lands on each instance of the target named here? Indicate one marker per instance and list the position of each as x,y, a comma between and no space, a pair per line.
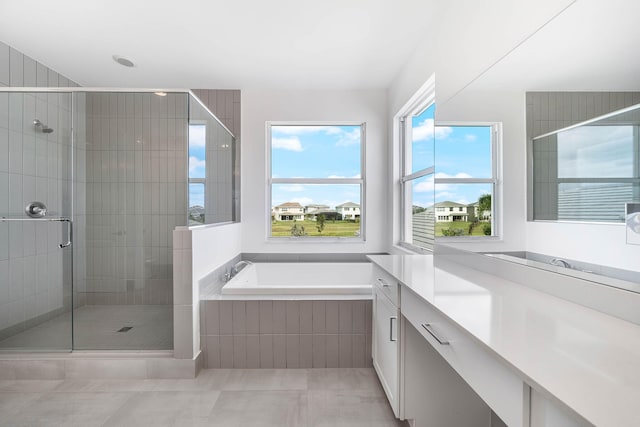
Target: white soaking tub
302,278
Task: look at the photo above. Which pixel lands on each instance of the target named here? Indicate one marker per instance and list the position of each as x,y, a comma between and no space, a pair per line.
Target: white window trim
360,181
423,98
496,181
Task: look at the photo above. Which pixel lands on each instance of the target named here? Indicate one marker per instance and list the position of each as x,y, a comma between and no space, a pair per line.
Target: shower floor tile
95,327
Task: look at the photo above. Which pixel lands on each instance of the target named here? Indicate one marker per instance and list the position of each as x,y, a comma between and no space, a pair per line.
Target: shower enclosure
92,183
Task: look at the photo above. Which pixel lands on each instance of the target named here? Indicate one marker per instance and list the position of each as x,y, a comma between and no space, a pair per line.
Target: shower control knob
36,210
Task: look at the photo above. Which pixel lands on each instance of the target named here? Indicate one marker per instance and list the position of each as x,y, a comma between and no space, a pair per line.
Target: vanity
477,348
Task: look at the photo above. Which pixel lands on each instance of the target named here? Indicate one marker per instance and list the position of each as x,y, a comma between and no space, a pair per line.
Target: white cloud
197,135
427,129
195,163
336,176
349,138
303,200
424,187
291,144
458,175
292,187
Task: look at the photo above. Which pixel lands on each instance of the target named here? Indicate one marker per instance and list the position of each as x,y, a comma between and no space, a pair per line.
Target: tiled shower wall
34,273
550,111
136,195
286,334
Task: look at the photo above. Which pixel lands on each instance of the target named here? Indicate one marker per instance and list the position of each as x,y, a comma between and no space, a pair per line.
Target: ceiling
328,44
593,45
305,44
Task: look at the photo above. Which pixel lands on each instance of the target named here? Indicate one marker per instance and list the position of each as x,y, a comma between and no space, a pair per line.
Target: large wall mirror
570,157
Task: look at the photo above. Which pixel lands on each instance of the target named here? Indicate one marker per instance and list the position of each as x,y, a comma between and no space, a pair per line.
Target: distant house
311,208
288,211
473,210
349,210
451,212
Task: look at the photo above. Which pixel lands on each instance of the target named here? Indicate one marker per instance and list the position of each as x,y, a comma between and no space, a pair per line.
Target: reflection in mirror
589,171
465,180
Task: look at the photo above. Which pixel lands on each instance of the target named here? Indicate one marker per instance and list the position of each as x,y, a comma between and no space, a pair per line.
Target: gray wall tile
332,351
293,351
331,317
253,351
306,351
293,317
279,317
266,351
306,317
279,351
319,317
253,317
266,317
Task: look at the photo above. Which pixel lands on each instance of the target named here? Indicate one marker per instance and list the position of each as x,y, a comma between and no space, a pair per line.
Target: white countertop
588,360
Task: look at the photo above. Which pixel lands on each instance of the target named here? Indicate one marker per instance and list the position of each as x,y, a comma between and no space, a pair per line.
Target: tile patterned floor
226,398
96,328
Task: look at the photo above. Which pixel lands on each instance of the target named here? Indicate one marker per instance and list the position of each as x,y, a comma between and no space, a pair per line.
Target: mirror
553,79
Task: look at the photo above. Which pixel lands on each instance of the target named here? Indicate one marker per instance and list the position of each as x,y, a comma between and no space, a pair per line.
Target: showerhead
44,128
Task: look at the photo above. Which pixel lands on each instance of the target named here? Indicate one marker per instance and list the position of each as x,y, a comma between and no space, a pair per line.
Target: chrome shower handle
69,235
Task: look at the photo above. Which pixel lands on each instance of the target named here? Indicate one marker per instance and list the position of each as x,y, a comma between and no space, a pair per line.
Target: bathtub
302,278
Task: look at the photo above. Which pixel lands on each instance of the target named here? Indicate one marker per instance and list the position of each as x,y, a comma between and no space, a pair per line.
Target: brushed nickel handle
391,319
429,328
383,282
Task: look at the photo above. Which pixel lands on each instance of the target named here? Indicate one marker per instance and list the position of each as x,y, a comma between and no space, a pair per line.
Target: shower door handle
69,234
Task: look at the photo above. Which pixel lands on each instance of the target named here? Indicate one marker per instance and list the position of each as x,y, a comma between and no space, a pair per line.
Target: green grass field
477,230
331,228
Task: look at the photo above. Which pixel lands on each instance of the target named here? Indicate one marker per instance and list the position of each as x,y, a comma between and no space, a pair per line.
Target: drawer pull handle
391,329
429,329
383,282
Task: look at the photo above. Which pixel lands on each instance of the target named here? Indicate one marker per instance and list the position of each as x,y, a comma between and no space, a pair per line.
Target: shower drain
125,329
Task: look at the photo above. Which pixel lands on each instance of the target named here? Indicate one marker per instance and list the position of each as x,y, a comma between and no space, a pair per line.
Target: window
197,172
466,178
417,167
316,176
588,172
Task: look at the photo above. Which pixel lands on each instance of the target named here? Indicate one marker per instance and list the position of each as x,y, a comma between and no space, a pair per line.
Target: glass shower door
36,262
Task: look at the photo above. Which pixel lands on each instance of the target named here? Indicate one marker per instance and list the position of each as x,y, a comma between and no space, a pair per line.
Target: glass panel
197,145
315,151
135,181
36,276
196,204
463,209
419,222
315,210
420,156
595,152
594,201
463,151
211,164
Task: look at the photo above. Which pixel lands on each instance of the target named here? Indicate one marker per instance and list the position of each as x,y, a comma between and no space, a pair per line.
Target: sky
334,152
315,152
460,152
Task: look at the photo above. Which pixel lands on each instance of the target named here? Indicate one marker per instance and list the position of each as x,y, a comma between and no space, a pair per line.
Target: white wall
260,106
213,246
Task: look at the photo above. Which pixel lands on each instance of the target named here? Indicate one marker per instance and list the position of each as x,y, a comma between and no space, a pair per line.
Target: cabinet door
385,346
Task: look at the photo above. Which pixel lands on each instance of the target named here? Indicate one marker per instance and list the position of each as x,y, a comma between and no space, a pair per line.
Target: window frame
423,99
495,180
270,181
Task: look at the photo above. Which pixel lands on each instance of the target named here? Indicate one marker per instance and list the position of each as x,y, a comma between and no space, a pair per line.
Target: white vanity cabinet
385,336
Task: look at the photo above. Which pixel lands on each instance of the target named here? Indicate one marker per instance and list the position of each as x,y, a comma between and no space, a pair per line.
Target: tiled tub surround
286,333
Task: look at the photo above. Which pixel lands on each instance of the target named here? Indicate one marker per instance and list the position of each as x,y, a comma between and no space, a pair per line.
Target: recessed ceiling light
122,61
